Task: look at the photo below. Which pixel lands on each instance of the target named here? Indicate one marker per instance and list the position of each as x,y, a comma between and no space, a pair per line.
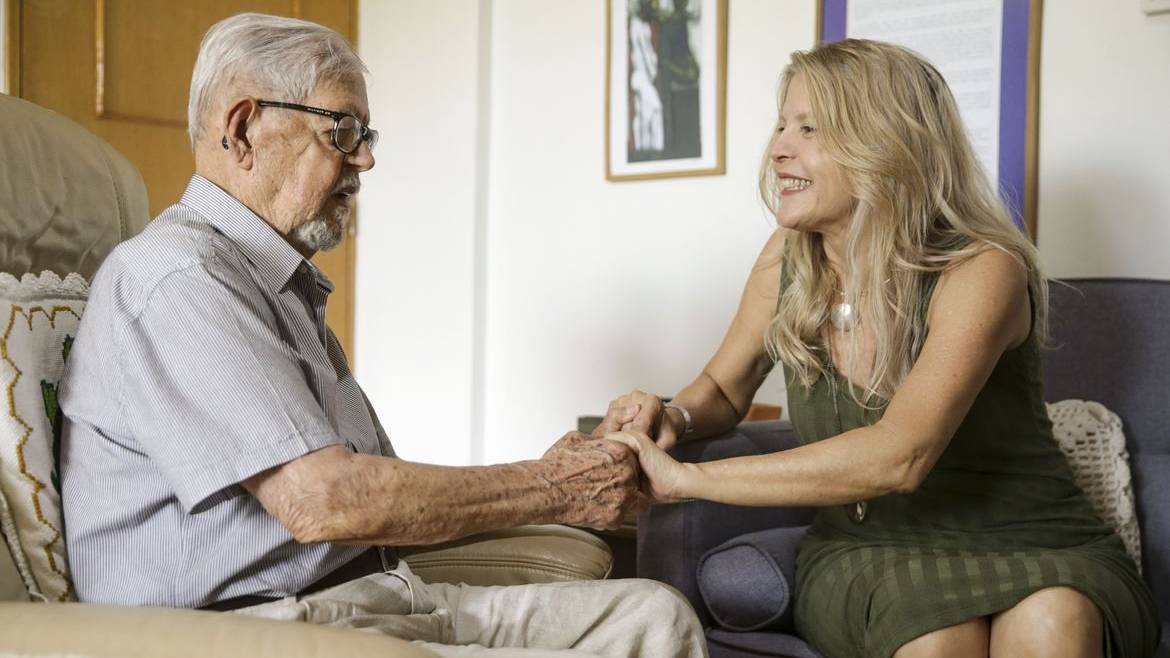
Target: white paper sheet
963,39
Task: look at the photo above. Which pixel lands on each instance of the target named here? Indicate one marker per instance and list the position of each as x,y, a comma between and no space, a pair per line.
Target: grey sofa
1111,340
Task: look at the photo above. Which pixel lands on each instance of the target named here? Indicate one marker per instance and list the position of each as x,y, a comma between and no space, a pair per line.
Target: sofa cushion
39,316
1090,437
746,582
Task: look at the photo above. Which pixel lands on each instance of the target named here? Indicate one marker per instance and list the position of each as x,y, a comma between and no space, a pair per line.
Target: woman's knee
1057,610
969,638
1054,619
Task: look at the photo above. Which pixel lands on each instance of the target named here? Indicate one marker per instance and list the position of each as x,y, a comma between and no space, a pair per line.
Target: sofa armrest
515,556
95,631
672,538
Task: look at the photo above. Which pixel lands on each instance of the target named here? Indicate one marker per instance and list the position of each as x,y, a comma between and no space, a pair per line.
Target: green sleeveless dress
996,519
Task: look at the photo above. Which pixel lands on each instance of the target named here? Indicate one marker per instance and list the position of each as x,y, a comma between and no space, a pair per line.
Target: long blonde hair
922,203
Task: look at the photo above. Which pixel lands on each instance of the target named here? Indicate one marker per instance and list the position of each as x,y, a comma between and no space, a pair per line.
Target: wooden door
122,69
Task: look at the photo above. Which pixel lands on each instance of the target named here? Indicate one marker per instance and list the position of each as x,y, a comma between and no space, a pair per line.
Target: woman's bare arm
980,309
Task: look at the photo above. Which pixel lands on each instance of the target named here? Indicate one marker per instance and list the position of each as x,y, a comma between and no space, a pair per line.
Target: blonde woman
908,312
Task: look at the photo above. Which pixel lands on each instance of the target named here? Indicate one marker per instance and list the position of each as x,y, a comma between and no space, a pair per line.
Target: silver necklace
842,315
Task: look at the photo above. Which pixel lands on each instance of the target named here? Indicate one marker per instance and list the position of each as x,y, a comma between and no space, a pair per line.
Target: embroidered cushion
12,587
1091,438
39,316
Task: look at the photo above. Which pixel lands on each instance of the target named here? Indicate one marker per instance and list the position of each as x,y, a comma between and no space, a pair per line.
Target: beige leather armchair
66,199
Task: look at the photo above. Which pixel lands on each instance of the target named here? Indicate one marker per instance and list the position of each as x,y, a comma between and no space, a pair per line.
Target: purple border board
1013,93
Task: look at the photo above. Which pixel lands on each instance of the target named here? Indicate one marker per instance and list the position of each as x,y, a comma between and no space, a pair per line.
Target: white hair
285,57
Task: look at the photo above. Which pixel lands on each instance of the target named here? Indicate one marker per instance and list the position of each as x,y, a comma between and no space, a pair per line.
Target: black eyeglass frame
365,132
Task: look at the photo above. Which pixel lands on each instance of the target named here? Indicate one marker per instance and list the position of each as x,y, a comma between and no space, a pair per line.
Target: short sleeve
210,389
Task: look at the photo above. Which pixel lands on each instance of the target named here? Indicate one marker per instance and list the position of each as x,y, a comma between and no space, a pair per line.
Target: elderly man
218,452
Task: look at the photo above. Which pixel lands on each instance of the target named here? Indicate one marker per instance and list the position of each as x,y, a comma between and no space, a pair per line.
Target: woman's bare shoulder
988,288
772,254
991,265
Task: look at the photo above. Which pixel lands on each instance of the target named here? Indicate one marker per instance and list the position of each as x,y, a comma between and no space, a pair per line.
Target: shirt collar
273,257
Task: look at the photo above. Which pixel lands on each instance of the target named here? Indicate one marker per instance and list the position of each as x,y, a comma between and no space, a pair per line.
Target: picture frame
1004,128
1151,7
666,88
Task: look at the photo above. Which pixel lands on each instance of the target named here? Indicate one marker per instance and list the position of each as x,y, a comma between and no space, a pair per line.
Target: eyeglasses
348,131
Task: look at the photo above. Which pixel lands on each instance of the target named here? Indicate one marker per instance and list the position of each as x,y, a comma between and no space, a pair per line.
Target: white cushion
1091,438
39,316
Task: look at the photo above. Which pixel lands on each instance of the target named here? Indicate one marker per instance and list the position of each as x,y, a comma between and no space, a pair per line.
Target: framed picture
1155,6
989,53
666,90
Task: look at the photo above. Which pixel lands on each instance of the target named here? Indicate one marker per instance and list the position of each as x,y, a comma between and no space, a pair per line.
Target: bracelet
687,427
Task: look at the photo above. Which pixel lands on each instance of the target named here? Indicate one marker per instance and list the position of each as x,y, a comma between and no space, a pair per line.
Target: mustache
349,183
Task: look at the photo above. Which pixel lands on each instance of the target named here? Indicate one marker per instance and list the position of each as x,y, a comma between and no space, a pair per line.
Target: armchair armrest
672,538
516,556
96,631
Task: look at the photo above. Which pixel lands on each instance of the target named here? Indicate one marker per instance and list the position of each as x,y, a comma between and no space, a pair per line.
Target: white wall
418,211
1104,198
504,287
586,288
595,287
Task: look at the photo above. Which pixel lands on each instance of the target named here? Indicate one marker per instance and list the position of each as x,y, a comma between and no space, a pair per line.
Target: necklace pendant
843,317
857,511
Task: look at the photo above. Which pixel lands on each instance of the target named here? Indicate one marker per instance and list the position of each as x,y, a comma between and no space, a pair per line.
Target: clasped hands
619,468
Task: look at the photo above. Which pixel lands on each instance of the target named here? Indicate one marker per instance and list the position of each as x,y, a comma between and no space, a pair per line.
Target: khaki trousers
619,618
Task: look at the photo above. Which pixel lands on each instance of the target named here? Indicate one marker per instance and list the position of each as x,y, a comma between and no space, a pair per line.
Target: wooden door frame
12,40
12,14
12,46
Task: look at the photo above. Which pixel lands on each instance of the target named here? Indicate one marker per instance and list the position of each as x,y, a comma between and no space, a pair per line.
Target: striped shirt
202,359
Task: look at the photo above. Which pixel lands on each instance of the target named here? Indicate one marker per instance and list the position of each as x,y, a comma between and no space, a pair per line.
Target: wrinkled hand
596,479
662,475
638,411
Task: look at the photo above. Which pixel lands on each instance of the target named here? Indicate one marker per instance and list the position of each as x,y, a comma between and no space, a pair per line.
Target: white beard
319,234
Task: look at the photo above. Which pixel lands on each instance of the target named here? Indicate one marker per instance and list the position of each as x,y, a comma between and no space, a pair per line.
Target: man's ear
235,123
